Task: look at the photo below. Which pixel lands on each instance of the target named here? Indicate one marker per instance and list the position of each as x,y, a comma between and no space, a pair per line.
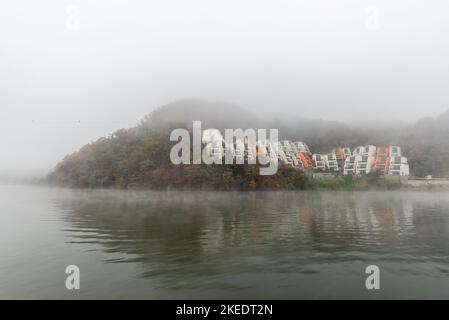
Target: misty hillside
426,143
139,156
218,115
319,134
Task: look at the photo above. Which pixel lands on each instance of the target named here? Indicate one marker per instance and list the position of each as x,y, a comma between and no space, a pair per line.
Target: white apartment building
301,147
364,165
368,150
399,166
394,151
319,161
350,165
331,162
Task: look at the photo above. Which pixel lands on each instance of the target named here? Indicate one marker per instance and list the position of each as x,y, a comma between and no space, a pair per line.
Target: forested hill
138,157
426,143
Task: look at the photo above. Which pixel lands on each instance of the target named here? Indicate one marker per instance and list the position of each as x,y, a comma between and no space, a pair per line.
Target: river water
253,245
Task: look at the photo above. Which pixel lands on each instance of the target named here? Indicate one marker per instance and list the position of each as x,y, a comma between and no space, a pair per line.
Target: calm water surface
291,245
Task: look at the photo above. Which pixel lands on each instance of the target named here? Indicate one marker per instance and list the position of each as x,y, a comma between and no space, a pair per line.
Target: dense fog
74,71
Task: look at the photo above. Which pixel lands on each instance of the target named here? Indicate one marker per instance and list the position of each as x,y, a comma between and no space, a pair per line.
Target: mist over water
223,245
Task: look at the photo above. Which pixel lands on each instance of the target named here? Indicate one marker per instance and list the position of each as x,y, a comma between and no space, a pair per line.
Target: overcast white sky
72,71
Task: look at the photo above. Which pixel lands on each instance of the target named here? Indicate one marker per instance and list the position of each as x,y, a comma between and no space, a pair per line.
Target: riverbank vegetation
371,181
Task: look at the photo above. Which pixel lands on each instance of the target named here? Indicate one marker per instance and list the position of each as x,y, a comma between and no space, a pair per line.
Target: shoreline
339,184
